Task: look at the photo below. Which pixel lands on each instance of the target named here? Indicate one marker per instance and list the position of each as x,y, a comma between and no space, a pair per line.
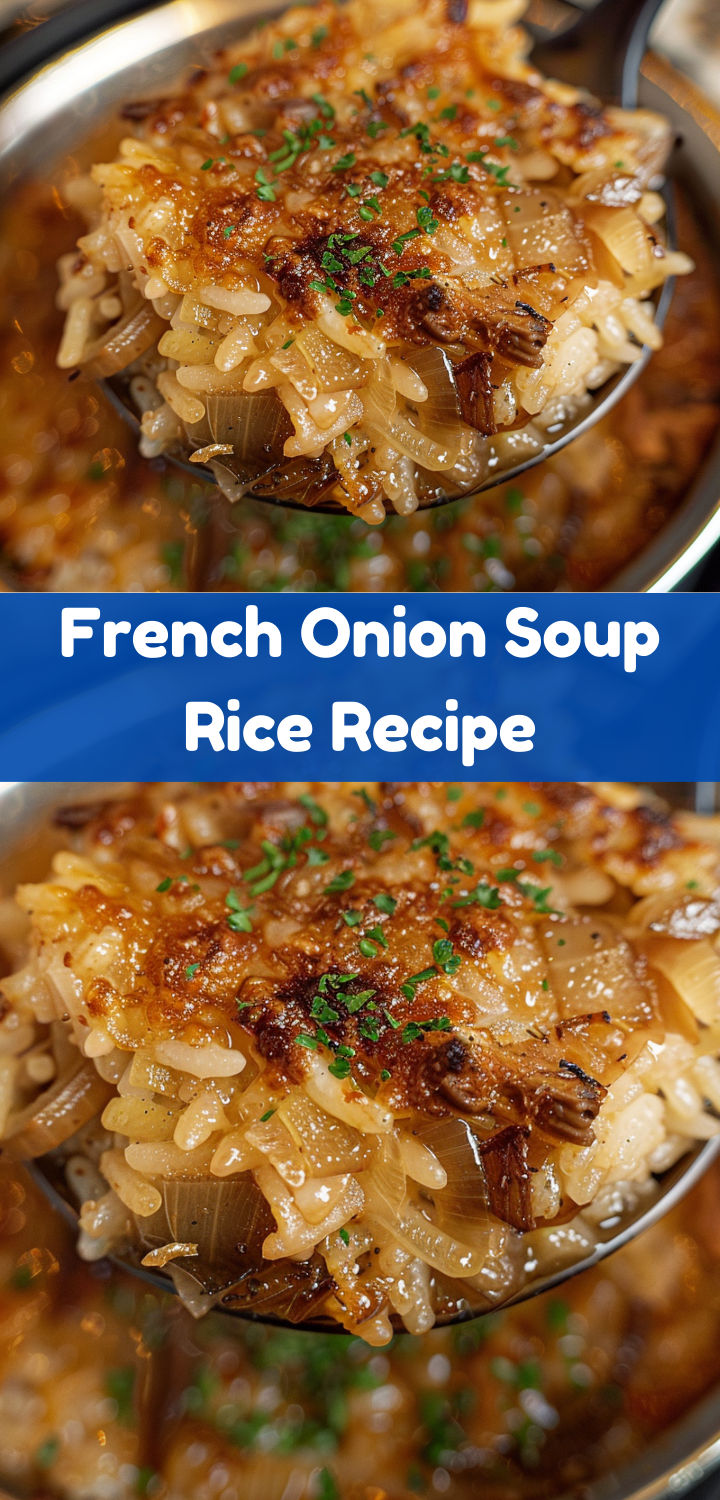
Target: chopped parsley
415,1029
317,856
304,1039
120,1386
365,797
354,1003
410,985
321,1010
326,1487
47,1452
318,816
384,903
326,109
445,956
265,189
341,882
340,1067
483,895
238,918
380,836
538,895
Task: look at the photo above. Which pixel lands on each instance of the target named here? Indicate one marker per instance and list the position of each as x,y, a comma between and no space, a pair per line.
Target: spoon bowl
579,53
30,839
601,51
613,1233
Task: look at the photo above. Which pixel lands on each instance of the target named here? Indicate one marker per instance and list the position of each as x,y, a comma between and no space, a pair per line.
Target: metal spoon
24,811
602,51
613,1233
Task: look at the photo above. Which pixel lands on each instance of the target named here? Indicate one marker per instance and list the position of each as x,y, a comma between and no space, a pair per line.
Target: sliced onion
304,481
625,236
256,424
596,970
439,419
227,1219
137,331
285,1289
484,1176
388,1204
379,400
388,1177
428,454
693,970
76,1096
691,917
422,1238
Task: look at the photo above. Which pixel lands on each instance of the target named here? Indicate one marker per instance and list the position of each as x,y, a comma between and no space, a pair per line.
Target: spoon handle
29,50
602,50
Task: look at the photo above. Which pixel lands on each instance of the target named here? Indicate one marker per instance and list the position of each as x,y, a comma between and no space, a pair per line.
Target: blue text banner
327,686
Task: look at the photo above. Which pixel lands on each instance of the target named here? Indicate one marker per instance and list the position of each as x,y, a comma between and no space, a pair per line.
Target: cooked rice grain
481,242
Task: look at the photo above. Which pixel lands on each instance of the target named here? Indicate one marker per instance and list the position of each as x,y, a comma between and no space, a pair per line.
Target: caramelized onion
229,1220
75,1097
595,969
136,332
438,420
388,1203
257,425
301,480
693,972
692,917
483,1175
286,1289
473,378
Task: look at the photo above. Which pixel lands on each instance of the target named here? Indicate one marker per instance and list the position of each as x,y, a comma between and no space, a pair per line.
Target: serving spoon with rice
291,1294
226,1219
602,51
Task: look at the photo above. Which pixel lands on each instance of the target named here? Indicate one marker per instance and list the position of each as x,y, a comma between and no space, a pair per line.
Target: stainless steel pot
64,99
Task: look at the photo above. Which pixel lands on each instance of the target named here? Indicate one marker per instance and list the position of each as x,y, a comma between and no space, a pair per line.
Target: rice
373,1055
480,240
